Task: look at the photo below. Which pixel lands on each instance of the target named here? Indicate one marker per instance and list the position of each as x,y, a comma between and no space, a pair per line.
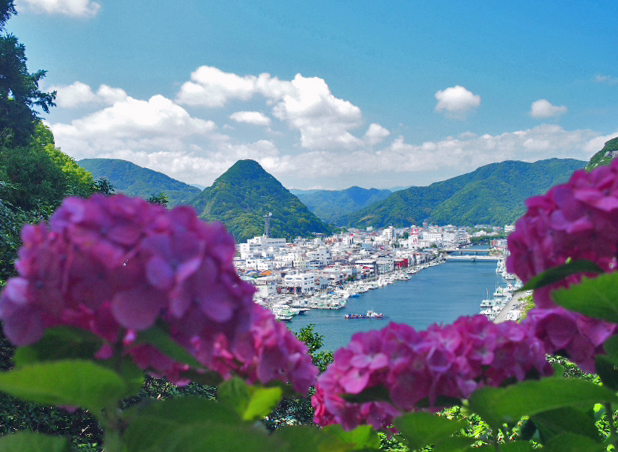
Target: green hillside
605,155
245,193
133,180
493,194
332,206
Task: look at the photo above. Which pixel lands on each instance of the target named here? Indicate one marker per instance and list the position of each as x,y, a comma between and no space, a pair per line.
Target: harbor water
438,294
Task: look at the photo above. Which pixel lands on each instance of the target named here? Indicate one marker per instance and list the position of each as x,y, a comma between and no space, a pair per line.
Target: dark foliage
20,96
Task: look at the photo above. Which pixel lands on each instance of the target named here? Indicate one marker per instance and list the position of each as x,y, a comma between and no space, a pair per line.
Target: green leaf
557,274
305,438
59,344
373,394
454,444
611,346
194,425
235,394
566,420
158,337
597,298
263,401
72,382
422,429
607,369
507,405
33,442
363,437
570,442
515,446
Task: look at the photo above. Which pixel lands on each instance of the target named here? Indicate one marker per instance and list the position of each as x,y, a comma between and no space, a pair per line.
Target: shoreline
512,306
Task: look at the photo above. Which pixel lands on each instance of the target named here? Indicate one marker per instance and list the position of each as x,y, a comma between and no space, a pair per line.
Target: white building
300,282
260,246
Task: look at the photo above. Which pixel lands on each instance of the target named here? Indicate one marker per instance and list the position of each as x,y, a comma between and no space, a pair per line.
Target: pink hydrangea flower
423,367
116,265
576,220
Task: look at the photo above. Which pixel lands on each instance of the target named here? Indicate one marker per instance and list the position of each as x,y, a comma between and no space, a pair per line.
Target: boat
371,314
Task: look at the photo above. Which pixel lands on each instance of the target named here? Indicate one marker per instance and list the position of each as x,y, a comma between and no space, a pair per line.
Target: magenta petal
159,273
354,381
24,326
137,309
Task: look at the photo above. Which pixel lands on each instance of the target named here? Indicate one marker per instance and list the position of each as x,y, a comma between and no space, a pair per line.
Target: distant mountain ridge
493,194
134,180
333,206
244,194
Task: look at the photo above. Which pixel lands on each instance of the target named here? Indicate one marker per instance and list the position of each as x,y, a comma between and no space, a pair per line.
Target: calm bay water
437,294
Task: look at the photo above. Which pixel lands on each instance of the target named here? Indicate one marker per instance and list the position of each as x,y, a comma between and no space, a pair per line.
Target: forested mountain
333,206
245,193
133,180
605,155
492,194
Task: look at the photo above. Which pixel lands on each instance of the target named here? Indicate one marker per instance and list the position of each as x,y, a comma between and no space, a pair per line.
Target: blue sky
326,94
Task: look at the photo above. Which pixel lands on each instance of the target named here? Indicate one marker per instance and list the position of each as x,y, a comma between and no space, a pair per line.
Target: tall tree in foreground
20,95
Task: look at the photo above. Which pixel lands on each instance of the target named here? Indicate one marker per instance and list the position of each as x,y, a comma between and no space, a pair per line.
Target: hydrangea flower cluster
116,265
576,220
422,367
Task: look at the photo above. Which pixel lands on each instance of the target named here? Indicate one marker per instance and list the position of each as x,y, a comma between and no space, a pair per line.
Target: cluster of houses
310,266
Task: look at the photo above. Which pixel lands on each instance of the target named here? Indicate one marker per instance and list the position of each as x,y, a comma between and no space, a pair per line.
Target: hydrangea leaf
33,442
305,438
363,437
158,337
58,344
566,420
250,402
570,442
422,429
498,406
597,298
607,369
515,446
454,444
611,346
192,425
72,382
557,274
235,395
263,401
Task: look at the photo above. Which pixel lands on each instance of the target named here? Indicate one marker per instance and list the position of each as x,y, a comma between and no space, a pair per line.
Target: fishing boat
371,314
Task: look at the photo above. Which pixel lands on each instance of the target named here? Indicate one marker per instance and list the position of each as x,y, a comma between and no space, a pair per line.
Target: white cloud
456,101
542,108
78,94
606,79
323,120
375,134
131,125
251,117
306,104
211,87
84,9
450,156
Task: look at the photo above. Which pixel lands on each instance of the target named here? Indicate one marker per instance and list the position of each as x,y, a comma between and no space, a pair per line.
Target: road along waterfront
438,294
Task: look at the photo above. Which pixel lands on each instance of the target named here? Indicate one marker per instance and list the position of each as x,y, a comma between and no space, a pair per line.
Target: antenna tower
267,224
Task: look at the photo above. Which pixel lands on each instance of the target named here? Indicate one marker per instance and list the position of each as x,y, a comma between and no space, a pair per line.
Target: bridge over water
474,254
